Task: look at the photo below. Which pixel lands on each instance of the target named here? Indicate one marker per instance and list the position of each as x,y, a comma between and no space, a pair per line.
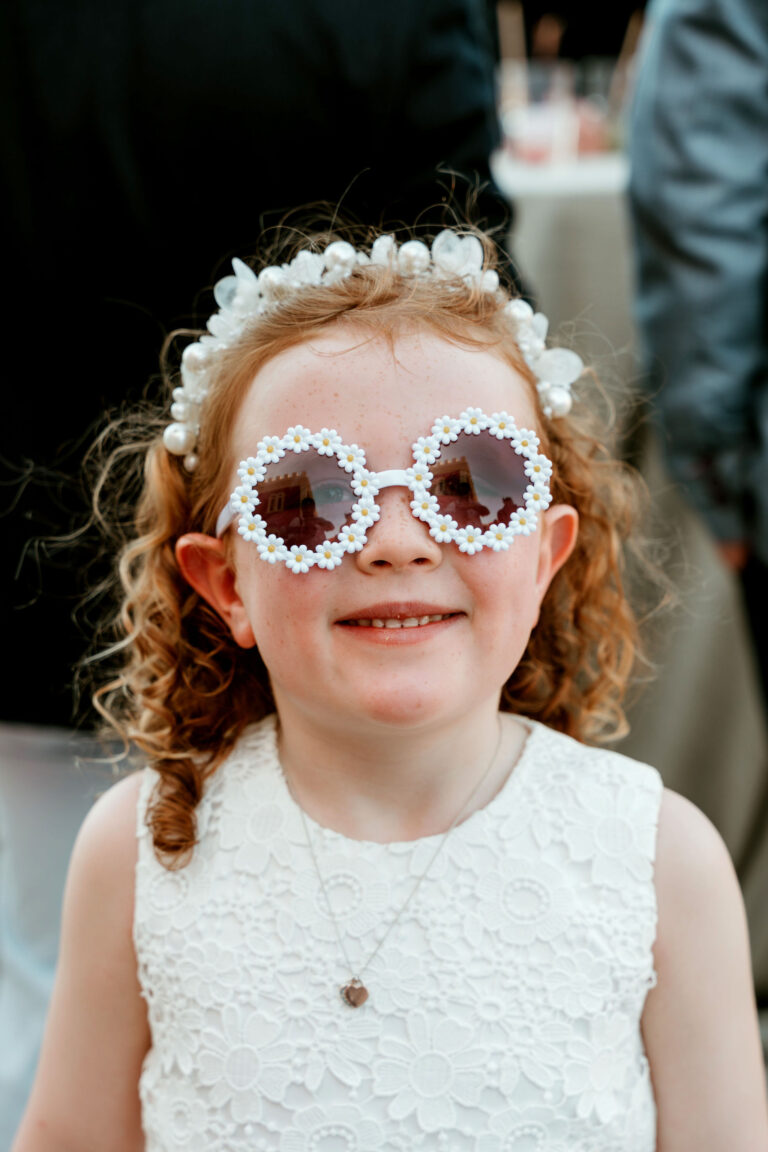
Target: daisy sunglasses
306,498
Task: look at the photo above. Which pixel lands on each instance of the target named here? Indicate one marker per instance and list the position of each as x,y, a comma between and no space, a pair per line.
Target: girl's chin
409,704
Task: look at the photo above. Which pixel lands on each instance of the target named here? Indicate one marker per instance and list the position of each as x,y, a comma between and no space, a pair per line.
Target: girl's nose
398,540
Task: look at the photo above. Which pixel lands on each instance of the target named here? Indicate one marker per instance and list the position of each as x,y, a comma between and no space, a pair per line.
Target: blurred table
604,173
701,721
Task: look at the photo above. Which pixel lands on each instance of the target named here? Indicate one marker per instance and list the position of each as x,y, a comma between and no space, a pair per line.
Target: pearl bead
271,283
383,250
340,256
519,310
194,358
191,461
559,400
179,439
489,281
413,258
180,410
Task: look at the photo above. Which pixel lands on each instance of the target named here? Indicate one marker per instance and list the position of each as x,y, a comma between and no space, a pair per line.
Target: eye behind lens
305,498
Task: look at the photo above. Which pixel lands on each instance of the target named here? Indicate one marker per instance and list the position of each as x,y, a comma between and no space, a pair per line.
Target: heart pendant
354,993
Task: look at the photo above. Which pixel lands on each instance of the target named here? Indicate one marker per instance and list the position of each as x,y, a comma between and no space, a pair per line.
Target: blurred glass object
557,110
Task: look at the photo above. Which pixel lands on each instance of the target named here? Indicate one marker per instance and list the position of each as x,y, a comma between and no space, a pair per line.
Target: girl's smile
398,623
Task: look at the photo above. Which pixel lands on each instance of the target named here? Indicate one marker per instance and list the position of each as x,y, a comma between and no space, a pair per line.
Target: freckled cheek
505,592
284,607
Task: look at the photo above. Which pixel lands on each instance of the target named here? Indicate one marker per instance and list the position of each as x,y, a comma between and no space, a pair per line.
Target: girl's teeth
409,622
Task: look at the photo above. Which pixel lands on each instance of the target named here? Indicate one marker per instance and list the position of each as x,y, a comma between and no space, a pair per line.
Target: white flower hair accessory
246,295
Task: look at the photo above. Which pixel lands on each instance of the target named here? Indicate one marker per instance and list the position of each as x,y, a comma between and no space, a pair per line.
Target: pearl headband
245,295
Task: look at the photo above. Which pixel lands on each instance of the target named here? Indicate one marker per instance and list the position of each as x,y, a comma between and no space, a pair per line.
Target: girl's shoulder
694,871
107,837
100,887
103,862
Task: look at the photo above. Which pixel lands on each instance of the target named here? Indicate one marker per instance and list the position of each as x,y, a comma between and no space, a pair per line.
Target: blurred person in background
699,198
116,120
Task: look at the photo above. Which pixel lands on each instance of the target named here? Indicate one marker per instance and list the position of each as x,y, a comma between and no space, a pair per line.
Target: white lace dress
504,1007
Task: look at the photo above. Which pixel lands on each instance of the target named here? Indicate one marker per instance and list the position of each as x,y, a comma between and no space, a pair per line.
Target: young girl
376,890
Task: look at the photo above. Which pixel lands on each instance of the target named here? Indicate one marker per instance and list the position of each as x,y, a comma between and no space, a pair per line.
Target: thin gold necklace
354,992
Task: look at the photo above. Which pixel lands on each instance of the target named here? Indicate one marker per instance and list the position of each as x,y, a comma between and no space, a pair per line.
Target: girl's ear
560,527
204,565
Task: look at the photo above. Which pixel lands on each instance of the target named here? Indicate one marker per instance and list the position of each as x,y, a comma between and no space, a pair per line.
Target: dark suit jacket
143,143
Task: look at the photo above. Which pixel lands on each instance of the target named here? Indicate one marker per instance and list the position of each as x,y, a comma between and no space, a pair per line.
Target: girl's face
321,662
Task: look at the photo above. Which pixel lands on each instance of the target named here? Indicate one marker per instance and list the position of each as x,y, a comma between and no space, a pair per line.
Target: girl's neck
381,784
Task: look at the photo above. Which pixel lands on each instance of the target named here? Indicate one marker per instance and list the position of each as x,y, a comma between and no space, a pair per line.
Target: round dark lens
305,498
479,480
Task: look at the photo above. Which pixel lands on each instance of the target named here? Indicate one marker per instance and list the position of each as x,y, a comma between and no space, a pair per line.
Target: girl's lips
399,611
398,624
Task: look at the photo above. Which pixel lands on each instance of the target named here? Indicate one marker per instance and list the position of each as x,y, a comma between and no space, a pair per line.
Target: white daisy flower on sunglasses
298,438
243,498
270,448
330,554
271,549
469,540
523,522
425,505
351,457
363,485
525,441
352,536
299,559
419,476
538,468
538,497
327,441
251,471
426,449
443,529
500,424
250,527
473,420
446,429
365,511
499,537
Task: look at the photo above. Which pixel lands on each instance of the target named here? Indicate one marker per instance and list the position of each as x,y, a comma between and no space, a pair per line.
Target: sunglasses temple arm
226,517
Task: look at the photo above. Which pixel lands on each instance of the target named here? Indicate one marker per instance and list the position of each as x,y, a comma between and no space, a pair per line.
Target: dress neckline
512,783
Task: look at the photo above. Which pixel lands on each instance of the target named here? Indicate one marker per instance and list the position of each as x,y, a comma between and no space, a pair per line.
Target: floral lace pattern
505,1006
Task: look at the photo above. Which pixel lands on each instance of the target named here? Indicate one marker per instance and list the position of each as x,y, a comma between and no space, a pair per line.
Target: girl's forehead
369,388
